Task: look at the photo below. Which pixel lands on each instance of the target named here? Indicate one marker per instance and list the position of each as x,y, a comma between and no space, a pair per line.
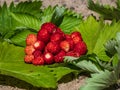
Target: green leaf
110,46
20,37
12,64
6,23
47,14
108,33
100,81
70,21
106,11
29,7
96,34
26,20
84,64
58,16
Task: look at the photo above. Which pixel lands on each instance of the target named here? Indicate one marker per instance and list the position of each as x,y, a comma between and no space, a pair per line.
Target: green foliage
83,63
28,7
100,81
105,79
106,11
95,34
27,21
12,64
71,20
58,16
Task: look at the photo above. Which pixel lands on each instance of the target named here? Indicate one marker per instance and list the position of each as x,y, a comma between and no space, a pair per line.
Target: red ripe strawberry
72,53
76,36
52,47
50,27
65,45
48,57
71,42
59,57
43,35
81,48
39,45
37,53
31,39
58,30
56,37
28,58
38,61
67,36
29,50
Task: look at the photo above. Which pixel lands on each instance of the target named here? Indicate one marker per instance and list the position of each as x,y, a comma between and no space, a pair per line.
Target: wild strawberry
29,50
43,35
56,37
48,57
28,58
76,36
71,42
81,48
31,39
53,47
37,53
59,57
38,61
39,45
65,45
50,27
67,36
58,30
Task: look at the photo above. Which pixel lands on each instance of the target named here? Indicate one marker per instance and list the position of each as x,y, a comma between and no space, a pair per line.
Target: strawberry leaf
100,81
83,62
26,20
96,34
58,16
29,7
106,11
70,21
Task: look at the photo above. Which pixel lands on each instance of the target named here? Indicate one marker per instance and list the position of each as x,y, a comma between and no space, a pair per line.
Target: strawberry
37,53
31,39
65,45
50,27
38,61
39,45
59,57
81,48
48,57
71,42
67,36
29,50
28,58
52,47
76,36
56,37
43,35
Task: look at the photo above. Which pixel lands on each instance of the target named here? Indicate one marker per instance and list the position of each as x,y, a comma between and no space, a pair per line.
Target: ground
79,6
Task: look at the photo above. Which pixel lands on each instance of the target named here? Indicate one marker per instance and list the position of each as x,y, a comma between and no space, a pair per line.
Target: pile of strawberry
50,45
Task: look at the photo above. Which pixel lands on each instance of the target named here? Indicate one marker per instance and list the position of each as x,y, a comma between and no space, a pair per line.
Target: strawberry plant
106,11
29,34
101,77
21,21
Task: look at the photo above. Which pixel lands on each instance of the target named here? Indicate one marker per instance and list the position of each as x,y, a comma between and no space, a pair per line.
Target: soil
79,6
